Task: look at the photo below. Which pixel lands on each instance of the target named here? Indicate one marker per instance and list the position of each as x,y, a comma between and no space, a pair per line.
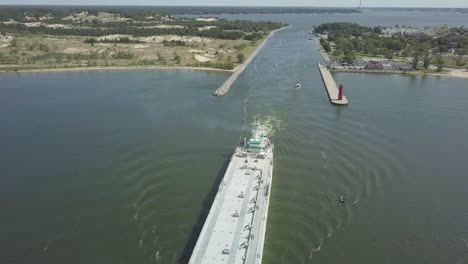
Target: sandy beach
451,72
115,68
146,67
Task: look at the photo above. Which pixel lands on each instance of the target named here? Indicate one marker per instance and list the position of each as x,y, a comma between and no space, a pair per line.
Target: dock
226,86
331,87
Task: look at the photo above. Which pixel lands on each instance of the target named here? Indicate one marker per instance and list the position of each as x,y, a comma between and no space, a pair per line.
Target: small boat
298,85
342,199
276,65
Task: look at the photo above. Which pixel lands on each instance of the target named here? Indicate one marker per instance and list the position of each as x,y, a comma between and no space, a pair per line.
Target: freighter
234,231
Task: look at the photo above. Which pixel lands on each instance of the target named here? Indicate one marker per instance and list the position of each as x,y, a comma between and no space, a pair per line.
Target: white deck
234,231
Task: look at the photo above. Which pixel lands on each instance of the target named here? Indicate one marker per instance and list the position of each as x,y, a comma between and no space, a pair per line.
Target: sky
328,3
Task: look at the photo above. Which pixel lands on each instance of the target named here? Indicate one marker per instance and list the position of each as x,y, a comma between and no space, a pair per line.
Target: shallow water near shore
115,167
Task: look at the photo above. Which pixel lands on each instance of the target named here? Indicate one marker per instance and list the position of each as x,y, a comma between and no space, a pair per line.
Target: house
372,65
402,66
346,64
406,68
387,67
359,64
334,65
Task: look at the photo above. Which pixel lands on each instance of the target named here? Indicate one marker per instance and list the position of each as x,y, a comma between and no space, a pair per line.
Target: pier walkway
331,87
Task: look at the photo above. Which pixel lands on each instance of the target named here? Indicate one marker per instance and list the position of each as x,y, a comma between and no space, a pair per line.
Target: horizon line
337,7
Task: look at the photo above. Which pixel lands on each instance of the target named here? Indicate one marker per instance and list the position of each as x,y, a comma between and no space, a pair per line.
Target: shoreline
321,50
116,68
450,72
226,86
145,67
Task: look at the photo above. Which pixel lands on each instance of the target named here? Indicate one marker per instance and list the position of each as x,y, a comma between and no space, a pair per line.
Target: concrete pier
224,88
331,87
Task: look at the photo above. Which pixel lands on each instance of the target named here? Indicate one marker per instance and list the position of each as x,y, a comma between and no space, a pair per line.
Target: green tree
122,55
459,60
229,65
338,53
326,46
439,62
240,57
408,52
177,58
427,60
161,58
349,56
13,43
389,55
415,61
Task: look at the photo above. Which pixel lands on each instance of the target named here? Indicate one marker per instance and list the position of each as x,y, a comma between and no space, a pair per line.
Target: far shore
117,68
141,67
448,72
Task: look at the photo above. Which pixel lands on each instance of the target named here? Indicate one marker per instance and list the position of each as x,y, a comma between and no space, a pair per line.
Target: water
116,167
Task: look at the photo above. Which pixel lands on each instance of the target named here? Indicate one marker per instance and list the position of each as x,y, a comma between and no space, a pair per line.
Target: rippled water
117,167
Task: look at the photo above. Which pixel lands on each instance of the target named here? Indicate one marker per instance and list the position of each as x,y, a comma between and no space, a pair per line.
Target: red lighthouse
340,92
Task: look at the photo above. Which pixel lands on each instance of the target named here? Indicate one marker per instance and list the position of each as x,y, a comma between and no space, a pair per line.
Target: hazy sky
348,3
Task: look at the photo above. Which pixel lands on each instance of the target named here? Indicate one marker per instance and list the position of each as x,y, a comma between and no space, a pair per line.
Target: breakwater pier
226,86
336,95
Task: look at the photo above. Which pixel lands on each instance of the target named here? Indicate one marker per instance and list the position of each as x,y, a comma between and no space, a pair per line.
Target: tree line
116,40
352,39
137,32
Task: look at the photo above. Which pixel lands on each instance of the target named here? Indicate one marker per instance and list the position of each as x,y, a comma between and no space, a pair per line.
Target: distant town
352,47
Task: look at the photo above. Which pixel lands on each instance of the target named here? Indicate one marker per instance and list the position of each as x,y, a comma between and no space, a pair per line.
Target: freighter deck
234,230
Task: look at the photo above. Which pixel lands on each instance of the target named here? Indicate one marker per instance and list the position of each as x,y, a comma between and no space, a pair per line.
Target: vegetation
352,40
133,21
173,43
254,36
440,63
325,44
240,57
124,30
61,37
116,40
122,55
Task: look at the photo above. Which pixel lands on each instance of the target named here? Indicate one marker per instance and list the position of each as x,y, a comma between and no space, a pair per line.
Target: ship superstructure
234,231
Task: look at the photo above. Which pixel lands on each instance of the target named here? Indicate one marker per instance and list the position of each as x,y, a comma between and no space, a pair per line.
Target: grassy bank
40,52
